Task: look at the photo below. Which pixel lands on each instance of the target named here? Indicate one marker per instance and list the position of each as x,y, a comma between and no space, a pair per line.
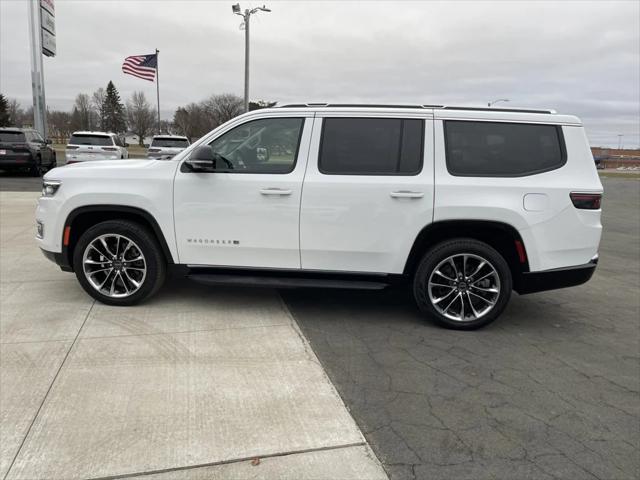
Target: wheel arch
82,218
501,236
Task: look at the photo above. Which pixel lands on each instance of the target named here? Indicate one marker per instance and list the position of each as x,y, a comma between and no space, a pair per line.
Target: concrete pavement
193,384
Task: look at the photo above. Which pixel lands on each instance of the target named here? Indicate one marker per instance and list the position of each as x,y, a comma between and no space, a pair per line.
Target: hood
111,169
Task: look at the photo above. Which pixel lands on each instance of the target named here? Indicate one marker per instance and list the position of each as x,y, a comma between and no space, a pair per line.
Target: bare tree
83,116
222,108
191,121
140,115
60,126
16,113
98,100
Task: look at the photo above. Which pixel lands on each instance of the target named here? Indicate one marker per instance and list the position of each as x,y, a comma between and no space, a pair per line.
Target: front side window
268,145
501,149
371,146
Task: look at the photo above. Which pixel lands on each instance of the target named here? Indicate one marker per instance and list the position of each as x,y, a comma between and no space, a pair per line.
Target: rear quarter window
501,149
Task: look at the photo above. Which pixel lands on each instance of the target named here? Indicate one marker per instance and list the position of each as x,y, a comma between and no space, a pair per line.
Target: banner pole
158,85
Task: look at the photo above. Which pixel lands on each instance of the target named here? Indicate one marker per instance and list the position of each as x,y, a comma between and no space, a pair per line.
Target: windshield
12,137
170,142
98,140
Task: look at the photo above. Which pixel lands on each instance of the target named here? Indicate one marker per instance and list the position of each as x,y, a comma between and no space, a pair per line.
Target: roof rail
492,109
443,107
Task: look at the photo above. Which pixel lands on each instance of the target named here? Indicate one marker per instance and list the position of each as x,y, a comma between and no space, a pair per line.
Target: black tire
54,162
461,287
35,170
147,244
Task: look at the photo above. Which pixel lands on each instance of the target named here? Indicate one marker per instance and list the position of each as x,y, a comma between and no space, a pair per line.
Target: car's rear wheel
36,169
462,284
119,262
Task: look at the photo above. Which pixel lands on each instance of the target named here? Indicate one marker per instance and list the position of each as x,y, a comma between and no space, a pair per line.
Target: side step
284,281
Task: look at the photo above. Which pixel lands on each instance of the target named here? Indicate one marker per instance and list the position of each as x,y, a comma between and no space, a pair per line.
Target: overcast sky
579,57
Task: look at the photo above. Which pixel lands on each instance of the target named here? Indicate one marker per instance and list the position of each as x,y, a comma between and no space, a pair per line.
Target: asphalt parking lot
550,390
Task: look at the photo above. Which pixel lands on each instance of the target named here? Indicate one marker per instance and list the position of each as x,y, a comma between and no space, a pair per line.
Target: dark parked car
25,149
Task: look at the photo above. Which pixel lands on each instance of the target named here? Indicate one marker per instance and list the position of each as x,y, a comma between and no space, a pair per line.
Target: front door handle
407,194
275,191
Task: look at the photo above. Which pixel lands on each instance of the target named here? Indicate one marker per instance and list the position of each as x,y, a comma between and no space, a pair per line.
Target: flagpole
158,85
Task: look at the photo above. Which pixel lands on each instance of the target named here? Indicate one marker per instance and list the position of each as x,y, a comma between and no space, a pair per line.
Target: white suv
463,204
90,146
167,146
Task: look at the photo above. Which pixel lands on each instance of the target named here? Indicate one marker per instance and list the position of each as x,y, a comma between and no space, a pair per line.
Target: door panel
242,219
363,223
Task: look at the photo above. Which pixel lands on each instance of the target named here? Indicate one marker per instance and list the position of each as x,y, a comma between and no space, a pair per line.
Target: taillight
586,201
72,147
109,149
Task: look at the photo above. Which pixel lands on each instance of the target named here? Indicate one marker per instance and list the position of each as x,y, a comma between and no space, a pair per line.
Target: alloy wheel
464,287
114,265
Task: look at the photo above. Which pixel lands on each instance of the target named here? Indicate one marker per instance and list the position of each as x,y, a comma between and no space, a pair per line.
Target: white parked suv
167,146
90,146
463,204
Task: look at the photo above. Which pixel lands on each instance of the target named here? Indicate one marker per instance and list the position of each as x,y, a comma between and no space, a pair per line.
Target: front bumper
531,282
58,258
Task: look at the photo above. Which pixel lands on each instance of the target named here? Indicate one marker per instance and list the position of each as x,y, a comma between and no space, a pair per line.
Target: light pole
247,18
493,102
620,141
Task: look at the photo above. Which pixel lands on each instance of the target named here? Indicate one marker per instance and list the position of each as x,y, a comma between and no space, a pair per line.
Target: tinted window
83,139
496,149
12,137
170,142
269,145
371,146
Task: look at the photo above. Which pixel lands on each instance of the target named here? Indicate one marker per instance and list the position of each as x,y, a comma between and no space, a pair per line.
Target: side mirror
48,141
262,154
126,144
202,159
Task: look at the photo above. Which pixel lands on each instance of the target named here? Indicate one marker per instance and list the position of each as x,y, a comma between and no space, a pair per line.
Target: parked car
462,204
91,146
167,146
25,149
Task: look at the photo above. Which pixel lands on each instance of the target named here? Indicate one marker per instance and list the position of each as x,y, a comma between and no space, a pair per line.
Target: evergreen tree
113,111
4,111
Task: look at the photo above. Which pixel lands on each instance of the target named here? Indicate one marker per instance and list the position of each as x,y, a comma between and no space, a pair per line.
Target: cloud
577,57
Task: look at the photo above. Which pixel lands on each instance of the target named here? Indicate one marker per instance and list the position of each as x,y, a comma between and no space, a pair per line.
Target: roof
16,129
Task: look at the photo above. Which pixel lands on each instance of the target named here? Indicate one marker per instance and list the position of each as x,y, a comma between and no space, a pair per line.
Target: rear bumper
531,282
58,259
16,162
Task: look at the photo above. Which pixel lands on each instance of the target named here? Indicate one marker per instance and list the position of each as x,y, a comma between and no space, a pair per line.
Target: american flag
141,66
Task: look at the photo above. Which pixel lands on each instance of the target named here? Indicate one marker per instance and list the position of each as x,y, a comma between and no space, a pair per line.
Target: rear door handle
407,194
275,191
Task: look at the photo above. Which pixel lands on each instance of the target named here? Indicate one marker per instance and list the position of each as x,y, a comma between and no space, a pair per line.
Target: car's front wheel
462,284
119,262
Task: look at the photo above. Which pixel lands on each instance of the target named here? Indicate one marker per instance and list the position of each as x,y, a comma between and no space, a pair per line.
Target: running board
283,281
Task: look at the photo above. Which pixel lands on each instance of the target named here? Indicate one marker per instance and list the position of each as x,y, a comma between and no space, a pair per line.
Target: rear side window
12,137
371,146
96,140
500,149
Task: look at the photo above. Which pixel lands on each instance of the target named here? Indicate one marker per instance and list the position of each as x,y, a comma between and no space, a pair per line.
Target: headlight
50,187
